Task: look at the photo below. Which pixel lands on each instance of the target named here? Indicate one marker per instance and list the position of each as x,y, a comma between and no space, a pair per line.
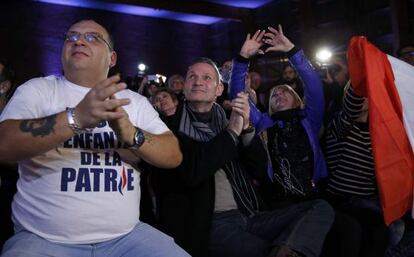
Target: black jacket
185,195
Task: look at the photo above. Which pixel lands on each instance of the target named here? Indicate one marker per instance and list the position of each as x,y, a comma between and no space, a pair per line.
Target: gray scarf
243,190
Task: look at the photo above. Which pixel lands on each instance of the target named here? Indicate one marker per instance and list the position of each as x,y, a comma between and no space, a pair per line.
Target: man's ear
113,59
219,89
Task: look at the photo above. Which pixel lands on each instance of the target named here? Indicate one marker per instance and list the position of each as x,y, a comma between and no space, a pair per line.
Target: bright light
142,67
162,77
323,55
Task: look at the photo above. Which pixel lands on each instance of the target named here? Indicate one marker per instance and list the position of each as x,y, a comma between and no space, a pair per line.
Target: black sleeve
202,159
254,158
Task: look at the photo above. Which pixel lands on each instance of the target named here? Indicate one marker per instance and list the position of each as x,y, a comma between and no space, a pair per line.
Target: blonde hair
298,101
174,77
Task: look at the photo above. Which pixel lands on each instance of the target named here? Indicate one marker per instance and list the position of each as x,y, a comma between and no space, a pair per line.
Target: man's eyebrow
95,32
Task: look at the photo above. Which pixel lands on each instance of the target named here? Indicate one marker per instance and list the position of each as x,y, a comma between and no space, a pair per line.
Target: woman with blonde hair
290,132
290,129
284,89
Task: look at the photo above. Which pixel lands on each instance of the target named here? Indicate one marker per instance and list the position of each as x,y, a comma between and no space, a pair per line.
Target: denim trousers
395,229
143,240
302,227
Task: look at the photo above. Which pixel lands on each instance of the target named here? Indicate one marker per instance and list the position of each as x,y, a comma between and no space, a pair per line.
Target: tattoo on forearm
148,137
39,127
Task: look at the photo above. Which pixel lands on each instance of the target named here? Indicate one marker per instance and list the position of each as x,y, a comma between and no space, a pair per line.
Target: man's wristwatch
138,140
248,130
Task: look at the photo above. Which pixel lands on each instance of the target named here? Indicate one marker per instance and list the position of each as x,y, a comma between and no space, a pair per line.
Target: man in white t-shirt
75,138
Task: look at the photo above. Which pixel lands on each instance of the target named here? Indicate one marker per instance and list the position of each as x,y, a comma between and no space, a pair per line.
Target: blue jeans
302,227
395,229
143,240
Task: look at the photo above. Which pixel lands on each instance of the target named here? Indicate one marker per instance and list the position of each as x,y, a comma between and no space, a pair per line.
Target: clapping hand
98,105
239,118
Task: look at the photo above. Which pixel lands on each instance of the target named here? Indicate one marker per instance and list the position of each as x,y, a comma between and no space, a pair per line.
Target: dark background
32,32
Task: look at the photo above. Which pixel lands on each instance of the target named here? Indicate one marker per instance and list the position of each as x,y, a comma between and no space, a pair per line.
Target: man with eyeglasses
76,139
406,53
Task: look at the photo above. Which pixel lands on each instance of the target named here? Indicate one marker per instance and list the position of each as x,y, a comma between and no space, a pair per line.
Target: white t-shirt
81,192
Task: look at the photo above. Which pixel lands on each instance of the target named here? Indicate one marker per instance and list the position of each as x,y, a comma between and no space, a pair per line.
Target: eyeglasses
90,37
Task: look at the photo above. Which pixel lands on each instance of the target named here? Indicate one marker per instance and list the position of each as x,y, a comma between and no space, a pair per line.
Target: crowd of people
200,166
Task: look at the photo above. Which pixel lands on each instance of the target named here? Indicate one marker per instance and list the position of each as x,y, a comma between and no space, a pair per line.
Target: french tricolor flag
389,85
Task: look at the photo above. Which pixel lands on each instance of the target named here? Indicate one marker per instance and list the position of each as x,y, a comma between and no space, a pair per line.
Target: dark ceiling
312,22
213,28
194,11
239,3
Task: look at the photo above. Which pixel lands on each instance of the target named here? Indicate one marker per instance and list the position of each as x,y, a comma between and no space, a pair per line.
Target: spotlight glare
142,67
163,78
323,55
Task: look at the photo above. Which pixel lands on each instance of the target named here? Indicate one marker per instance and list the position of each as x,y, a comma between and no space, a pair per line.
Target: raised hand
142,85
97,105
240,114
277,40
251,46
328,79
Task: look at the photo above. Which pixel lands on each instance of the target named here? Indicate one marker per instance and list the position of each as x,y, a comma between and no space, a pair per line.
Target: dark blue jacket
313,111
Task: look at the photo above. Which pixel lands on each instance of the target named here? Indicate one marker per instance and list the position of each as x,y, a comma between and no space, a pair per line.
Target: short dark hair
207,61
174,77
167,90
341,57
286,65
100,23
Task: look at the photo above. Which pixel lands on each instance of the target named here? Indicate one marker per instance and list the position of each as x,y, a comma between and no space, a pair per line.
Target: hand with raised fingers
277,40
328,79
251,45
141,87
97,105
240,114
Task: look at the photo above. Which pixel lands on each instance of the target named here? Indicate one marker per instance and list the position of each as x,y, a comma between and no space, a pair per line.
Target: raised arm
250,48
202,159
313,88
312,84
26,138
351,110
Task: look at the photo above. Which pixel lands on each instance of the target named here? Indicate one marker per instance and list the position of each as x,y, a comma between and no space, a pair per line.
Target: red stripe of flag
371,75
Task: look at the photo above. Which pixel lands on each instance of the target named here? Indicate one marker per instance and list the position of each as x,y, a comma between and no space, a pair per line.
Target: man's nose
198,81
80,41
